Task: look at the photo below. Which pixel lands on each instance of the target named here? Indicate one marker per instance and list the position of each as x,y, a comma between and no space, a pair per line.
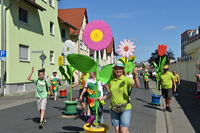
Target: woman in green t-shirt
119,98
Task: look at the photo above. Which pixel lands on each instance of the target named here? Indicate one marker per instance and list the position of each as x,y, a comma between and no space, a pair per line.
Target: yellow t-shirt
176,77
119,89
166,80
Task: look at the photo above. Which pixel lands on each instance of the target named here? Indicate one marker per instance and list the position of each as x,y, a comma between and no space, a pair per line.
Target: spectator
177,80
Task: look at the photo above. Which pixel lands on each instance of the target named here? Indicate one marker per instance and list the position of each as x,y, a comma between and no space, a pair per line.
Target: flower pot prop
97,35
159,68
70,105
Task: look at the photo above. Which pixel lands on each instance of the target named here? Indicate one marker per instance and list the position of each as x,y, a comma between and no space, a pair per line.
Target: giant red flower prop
162,49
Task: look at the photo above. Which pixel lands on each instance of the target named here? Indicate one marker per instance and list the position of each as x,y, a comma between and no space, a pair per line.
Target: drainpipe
3,42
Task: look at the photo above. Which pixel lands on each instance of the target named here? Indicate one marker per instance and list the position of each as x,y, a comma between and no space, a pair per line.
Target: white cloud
171,27
134,39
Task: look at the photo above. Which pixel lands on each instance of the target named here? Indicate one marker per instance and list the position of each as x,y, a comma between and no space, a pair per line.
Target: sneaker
168,109
176,94
83,114
40,125
88,114
44,121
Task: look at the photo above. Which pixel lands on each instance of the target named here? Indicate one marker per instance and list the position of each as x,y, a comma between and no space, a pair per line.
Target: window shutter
23,52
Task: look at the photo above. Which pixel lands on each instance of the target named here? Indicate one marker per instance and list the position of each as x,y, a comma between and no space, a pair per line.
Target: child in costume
90,87
54,84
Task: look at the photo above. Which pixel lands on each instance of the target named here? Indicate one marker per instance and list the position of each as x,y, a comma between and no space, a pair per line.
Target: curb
167,118
168,122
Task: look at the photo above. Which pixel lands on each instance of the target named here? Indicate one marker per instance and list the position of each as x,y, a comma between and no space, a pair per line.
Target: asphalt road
24,118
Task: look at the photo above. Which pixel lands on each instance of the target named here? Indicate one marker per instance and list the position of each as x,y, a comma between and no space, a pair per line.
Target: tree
155,57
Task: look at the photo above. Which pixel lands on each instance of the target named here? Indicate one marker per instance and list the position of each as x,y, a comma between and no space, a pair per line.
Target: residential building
106,56
188,37
77,17
31,27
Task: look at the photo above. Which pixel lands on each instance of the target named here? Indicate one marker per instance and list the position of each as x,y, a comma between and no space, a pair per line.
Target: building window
51,57
23,52
51,28
81,44
23,15
63,33
51,3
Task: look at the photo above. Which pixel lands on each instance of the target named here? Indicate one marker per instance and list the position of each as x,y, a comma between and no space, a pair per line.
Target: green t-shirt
119,89
41,88
166,80
83,79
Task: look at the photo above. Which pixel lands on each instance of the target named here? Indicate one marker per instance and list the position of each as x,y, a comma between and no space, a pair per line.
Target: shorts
41,103
84,95
167,93
122,119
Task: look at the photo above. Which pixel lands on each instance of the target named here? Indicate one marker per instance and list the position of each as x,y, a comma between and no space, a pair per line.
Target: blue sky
145,22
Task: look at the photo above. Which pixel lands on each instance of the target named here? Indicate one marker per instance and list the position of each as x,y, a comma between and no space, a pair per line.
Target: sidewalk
176,121
16,99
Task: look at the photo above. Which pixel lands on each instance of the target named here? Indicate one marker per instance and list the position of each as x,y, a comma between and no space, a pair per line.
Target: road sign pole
42,59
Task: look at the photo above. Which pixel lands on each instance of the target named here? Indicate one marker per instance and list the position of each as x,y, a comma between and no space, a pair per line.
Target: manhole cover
68,116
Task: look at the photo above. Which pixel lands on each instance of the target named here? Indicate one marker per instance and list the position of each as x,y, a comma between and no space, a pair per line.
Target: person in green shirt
166,81
82,81
41,93
146,79
119,89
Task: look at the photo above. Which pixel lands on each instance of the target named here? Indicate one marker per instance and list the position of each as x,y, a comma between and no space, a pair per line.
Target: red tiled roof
73,16
62,21
33,3
111,47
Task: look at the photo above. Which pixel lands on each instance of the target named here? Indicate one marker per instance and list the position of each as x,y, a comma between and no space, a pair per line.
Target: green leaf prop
155,65
62,70
82,63
162,64
129,67
105,73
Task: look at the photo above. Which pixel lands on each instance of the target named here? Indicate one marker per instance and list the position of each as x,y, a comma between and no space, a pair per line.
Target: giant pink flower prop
126,49
97,35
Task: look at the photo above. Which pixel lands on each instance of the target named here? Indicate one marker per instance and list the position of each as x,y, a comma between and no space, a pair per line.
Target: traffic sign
2,58
2,53
42,57
36,51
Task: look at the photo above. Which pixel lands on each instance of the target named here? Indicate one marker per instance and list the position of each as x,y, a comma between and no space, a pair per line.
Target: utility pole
2,45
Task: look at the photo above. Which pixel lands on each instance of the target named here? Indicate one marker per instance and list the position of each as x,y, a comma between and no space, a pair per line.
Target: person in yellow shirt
166,81
177,81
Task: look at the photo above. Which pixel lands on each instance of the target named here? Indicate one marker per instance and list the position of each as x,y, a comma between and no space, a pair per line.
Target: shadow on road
35,119
153,107
141,100
59,108
73,129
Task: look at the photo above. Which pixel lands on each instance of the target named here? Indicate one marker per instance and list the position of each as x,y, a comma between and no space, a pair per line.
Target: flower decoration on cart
126,50
162,61
97,35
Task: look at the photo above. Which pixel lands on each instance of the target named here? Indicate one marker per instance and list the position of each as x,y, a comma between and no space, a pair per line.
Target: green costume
55,85
166,80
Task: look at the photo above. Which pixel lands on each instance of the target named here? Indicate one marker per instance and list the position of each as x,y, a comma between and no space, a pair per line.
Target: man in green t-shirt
41,93
166,81
82,81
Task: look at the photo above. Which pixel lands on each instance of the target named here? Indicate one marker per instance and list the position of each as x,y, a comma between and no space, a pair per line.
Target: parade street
18,114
